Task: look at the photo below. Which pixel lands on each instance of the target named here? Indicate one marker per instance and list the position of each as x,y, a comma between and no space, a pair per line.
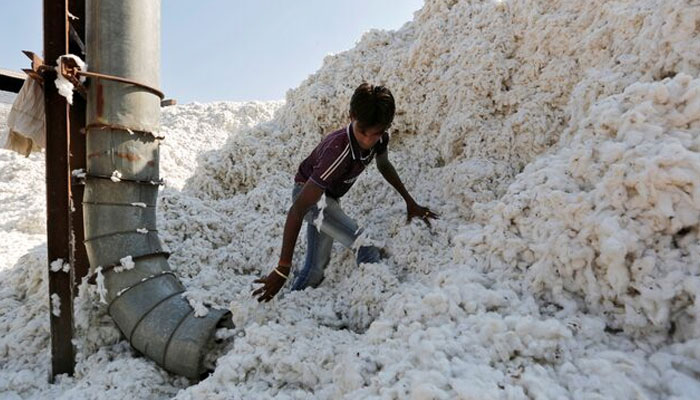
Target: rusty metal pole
79,260
58,189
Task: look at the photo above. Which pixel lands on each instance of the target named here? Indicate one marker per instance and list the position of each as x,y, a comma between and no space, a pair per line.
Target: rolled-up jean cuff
368,255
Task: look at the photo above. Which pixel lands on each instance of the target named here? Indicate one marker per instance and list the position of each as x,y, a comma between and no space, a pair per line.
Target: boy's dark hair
372,106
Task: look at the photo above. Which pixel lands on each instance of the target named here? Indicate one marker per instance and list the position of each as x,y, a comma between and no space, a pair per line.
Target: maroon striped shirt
337,161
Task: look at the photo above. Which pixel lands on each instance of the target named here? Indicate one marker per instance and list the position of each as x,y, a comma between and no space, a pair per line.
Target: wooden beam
58,189
11,81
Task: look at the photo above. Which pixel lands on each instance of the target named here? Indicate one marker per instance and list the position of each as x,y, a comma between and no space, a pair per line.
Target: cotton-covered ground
559,140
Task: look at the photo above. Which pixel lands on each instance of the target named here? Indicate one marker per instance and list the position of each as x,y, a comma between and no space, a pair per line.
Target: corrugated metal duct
123,39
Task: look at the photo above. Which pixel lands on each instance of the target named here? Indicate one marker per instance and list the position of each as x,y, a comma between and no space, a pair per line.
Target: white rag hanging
26,124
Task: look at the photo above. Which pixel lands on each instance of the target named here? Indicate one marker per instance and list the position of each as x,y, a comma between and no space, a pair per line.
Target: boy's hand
272,283
424,213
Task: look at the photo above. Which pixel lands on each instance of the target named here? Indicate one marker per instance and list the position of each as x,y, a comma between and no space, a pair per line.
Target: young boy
332,168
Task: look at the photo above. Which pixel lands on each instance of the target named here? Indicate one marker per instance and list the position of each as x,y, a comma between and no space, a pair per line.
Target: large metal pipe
123,39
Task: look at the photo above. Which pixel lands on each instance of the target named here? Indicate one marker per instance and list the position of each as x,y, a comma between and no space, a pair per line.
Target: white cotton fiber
559,142
64,86
55,305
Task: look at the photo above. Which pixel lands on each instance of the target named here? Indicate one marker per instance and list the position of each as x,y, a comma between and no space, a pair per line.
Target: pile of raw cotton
559,141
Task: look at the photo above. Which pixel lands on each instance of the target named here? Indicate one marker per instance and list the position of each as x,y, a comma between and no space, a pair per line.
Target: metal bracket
70,70
37,68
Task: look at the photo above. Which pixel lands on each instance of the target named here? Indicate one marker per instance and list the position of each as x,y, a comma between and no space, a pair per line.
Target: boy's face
367,137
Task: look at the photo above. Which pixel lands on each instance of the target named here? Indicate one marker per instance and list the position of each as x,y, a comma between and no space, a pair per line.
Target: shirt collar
355,148
353,142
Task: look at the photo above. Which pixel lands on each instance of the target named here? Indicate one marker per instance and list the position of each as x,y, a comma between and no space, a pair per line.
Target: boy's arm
412,208
273,282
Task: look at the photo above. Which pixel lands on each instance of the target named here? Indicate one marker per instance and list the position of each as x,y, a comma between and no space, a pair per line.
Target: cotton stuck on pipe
123,39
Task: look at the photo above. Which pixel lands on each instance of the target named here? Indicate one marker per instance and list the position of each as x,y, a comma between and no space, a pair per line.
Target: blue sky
232,50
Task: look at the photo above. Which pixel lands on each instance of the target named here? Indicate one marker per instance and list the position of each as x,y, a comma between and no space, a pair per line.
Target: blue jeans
336,225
